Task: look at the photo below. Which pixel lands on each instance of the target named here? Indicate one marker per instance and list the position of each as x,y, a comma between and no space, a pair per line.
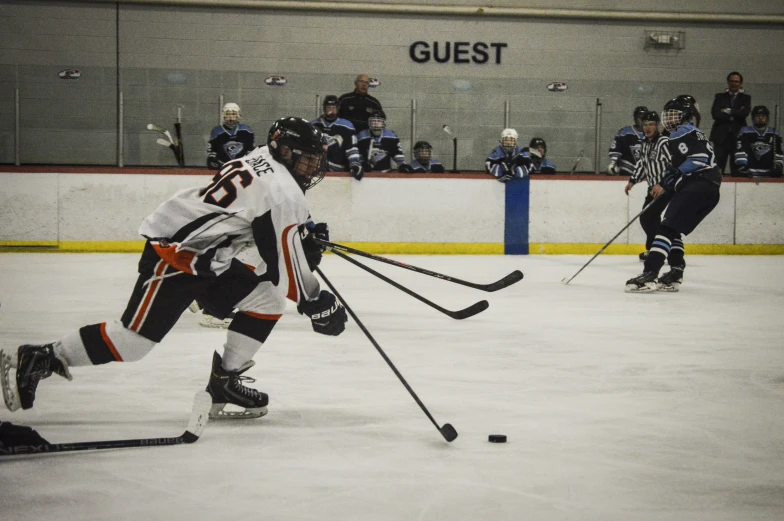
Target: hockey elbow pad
327,315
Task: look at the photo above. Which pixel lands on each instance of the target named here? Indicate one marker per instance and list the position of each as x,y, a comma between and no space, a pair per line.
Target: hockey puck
497,438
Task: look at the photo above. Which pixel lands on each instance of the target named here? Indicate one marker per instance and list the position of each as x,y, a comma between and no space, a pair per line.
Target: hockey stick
447,431
506,281
454,147
199,416
577,161
172,146
178,131
565,281
156,128
470,311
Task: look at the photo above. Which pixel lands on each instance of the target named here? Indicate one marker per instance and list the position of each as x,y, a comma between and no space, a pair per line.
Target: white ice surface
617,407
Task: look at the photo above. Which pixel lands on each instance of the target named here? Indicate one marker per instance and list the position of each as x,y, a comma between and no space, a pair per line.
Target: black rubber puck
497,438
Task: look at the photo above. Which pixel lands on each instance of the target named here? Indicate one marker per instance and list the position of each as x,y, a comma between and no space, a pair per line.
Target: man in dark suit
729,111
357,106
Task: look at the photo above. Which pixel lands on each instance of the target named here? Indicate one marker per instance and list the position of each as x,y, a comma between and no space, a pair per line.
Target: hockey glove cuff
312,249
327,315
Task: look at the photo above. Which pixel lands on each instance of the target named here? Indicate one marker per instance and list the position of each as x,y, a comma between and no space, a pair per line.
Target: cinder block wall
164,57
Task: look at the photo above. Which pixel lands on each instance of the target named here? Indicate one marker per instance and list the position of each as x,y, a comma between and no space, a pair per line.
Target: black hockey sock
98,345
660,249
676,254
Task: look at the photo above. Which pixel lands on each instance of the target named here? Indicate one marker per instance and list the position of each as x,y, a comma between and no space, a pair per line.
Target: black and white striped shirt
653,162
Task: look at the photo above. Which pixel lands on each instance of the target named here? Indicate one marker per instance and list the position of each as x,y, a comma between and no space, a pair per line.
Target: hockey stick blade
461,314
512,278
505,282
199,416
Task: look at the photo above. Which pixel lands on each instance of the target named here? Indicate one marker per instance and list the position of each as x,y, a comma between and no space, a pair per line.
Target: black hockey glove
327,315
19,435
312,249
506,173
356,170
670,179
213,163
405,169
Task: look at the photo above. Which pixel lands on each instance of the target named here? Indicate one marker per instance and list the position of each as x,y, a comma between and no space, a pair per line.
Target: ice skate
226,388
32,364
671,281
644,283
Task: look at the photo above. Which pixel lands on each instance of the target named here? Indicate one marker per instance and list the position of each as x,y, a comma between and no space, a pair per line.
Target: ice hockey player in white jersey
193,240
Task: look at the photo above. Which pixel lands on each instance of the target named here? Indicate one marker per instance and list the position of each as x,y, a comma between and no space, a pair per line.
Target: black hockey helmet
423,152
537,142
301,147
377,122
330,101
639,112
760,110
651,115
695,109
676,111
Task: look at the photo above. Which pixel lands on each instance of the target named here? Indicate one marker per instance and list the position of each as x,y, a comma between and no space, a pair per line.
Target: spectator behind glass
537,149
342,153
759,147
229,141
423,160
357,106
378,146
625,148
730,109
508,161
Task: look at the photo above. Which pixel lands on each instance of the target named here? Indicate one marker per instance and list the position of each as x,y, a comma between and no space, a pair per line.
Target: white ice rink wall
102,210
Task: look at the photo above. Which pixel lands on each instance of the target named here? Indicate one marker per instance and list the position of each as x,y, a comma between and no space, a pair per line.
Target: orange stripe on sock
109,343
260,316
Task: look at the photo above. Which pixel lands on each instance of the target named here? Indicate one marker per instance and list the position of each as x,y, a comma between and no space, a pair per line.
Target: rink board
453,214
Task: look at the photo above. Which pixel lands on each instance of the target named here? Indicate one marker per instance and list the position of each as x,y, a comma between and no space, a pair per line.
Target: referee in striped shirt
651,167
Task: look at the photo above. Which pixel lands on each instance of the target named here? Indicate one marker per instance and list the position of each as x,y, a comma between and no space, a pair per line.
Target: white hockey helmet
231,115
509,139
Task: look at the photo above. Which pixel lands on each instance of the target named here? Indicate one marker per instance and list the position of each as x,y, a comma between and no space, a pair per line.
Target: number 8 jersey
251,201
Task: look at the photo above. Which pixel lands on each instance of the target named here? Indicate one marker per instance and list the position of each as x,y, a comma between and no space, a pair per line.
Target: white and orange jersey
251,200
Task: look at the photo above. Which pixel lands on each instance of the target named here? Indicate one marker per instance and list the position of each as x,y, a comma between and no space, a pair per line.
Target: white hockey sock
238,350
71,349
